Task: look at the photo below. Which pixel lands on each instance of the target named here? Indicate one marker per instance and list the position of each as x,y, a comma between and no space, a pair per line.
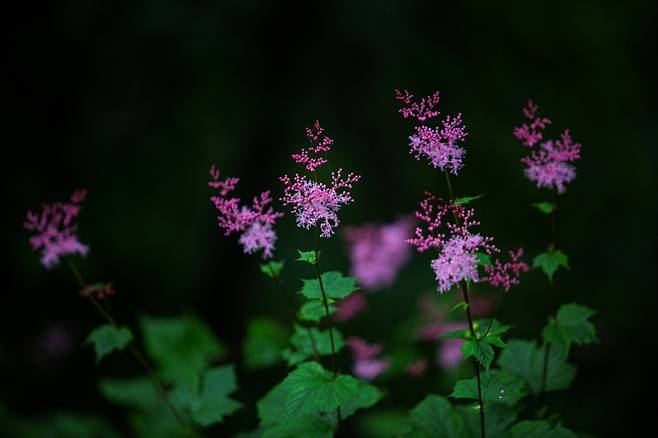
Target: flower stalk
133,350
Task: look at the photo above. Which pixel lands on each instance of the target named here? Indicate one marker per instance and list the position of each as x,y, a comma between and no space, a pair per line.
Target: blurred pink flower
482,305
54,233
417,368
450,354
255,222
351,306
366,365
378,252
54,343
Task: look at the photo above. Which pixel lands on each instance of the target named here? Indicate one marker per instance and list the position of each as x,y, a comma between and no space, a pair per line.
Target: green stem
326,309
325,302
551,246
284,291
469,317
452,196
134,351
553,241
476,367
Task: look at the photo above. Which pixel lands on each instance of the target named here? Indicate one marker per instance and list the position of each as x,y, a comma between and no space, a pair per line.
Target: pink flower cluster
506,274
320,144
366,364
314,203
54,232
548,165
439,144
378,252
458,247
255,222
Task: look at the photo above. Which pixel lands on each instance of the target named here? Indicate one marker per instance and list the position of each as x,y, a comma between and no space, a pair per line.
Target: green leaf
490,327
271,410
525,360
272,269
335,286
540,429
312,390
467,199
497,387
435,417
367,396
459,305
571,325
483,259
313,310
135,393
307,256
182,347
304,339
149,414
545,207
481,351
265,340
387,423
308,426
550,261
107,339
209,402
497,419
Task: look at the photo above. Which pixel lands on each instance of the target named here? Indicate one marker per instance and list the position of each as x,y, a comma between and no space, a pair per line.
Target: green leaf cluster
183,350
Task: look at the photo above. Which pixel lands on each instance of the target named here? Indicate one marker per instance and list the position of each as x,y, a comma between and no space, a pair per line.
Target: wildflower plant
188,386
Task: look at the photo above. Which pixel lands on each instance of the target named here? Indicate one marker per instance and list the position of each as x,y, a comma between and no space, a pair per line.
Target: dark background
135,100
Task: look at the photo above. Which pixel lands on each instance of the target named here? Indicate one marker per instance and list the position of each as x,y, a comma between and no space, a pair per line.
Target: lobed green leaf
571,325
272,268
335,286
265,340
497,387
108,338
526,360
550,261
